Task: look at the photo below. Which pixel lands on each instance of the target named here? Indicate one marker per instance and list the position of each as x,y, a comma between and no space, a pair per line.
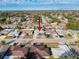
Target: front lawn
68,36
78,35
52,45
75,43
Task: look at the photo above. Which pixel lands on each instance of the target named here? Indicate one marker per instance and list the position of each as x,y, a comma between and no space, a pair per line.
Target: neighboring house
16,51
42,51
75,50
9,26
35,52
5,31
3,51
13,33
58,52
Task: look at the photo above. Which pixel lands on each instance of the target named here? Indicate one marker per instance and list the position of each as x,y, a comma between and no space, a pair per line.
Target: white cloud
38,1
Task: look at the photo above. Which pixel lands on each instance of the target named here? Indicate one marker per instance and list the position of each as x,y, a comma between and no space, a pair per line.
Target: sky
39,4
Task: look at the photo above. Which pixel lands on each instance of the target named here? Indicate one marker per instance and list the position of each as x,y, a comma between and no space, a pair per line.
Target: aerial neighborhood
39,34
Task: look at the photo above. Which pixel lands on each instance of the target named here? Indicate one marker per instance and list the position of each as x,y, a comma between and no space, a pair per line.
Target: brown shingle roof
17,51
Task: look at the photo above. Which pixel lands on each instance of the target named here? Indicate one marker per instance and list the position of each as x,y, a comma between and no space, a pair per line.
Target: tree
23,19
9,22
72,23
18,27
3,20
1,28
3,42
35,18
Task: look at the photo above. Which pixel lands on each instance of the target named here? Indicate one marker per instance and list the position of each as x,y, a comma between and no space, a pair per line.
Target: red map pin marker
39,23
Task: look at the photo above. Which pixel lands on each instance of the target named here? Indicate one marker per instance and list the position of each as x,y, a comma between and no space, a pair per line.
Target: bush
68,36
72,24
3,42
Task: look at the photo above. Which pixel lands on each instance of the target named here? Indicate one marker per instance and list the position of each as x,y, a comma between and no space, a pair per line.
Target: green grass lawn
68,36
69,57
51,57
52,45
75,43
78,35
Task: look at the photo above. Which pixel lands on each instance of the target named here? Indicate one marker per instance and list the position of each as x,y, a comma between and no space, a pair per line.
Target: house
5,31
58,52
13,33
39,34
42,51
75,50
35,51
3,51
9,26
16,51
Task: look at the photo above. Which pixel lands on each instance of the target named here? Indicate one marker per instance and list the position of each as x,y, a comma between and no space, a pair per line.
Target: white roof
57,52
12,33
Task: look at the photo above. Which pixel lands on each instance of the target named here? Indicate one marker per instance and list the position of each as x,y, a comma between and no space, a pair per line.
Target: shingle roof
17,51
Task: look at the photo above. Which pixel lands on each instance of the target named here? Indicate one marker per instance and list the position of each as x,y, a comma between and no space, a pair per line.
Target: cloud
39,6
39,1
